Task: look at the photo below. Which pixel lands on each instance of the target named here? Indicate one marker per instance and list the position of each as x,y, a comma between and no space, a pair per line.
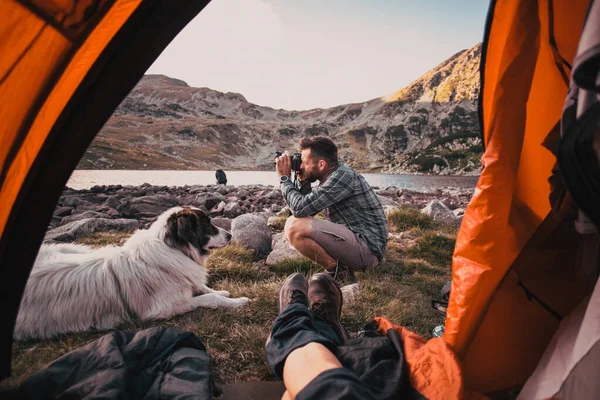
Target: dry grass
400,289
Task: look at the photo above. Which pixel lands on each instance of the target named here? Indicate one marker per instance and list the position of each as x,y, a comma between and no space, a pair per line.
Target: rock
112,202
54,222
275,208
285,211
387,192
218,209
222,189
243,194
282,249
458,212
387,201
83,215
274,195
213,199
451,203
147,206
439,212
273,221
251,231
113,213
63,211
350,292
72,201
232,210
77,229
222,222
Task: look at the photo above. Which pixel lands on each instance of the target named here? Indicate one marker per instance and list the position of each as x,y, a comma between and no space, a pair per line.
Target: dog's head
191,231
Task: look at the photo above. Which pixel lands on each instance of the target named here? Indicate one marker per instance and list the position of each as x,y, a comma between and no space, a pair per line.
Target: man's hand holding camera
283,165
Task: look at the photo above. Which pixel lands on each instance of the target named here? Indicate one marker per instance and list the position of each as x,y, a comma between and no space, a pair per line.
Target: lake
85,179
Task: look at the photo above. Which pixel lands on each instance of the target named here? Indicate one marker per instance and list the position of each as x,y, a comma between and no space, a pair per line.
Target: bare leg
304,364
298,231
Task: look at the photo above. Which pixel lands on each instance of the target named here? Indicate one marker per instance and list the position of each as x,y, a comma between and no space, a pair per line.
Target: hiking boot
342,275
325,299
293,290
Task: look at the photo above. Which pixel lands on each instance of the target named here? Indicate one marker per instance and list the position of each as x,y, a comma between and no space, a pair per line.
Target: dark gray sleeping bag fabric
157,363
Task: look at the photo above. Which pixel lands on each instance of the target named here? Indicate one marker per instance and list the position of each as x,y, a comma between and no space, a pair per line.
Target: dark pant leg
338,383
296,327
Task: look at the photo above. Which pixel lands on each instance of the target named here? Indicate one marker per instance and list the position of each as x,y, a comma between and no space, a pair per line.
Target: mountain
430,126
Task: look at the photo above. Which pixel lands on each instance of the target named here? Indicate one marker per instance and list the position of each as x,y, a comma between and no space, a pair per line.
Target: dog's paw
240,301
223,293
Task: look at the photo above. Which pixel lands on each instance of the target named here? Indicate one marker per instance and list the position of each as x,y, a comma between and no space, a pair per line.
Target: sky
303,54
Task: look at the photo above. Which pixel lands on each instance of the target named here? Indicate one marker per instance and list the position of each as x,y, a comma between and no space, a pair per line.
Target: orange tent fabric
65,65
504,248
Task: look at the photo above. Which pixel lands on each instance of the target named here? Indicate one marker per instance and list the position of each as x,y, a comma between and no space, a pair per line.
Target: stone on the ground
438,211
78,229
282,249
222,222
232,210
459,212
218,209
83,215
350,292
112,202
251,231
147,206
387,201
285,211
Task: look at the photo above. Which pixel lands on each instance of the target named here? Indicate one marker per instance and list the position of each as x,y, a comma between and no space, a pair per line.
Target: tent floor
252,390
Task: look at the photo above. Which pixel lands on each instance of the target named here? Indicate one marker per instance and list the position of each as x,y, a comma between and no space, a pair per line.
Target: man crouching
354,236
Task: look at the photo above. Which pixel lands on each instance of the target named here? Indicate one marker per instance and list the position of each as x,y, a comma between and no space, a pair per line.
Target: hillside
430,126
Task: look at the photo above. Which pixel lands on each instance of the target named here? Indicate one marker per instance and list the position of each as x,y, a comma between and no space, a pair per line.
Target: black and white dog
158,273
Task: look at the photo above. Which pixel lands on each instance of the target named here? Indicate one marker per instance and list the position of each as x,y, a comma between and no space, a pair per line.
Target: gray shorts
342,244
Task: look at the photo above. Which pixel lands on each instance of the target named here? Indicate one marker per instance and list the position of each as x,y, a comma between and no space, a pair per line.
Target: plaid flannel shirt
347,199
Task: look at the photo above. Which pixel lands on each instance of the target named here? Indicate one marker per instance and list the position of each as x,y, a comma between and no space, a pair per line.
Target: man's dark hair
321,147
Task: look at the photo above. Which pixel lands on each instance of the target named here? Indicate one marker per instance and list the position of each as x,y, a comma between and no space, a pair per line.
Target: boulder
387,201
252,232
438,211
222,222
78,229
147,206
275,195
458,212
275,208
112,202
222,189
218,209
83,215
350,292
213,199
243,194
285,211
63,211
232,210
282,249
72,201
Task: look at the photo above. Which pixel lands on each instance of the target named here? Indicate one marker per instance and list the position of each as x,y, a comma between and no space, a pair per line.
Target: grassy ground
416,265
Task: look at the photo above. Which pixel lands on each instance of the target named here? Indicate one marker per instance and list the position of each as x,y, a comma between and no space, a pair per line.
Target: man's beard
309,177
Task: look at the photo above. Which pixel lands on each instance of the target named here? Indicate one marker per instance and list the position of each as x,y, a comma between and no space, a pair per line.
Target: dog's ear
184,231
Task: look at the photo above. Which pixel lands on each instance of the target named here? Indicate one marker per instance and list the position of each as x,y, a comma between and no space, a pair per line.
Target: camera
303,186
296,160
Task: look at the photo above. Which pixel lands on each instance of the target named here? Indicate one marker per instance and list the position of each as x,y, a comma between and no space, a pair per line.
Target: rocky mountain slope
430,126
